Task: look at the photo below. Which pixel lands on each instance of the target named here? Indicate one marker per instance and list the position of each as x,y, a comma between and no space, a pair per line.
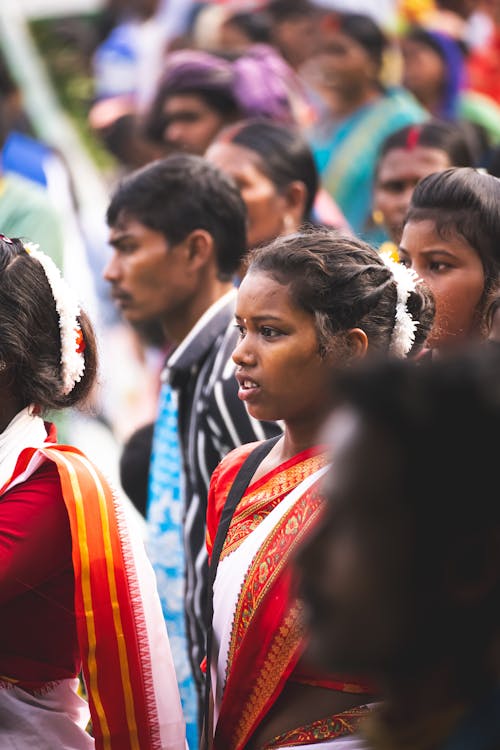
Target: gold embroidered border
329,728
269,562
285,641
255,506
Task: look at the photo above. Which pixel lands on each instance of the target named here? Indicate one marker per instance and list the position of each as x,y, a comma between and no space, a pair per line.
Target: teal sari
346,152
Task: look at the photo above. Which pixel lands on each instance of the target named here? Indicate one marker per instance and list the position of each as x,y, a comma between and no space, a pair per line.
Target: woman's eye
438,266
240,329
269,332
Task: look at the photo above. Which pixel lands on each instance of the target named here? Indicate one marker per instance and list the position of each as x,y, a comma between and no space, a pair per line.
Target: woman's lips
248,388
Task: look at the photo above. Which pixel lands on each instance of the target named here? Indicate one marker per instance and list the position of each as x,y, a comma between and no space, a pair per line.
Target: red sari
263,639
122,646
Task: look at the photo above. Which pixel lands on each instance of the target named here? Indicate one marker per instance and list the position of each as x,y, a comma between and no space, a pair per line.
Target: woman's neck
8,410
297,439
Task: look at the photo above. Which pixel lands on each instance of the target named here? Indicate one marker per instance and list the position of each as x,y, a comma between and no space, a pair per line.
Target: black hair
134,466
283,152
431,39
282,10
434,133
30,339
344,283
464,201
179,194
442,415
493,161
491,309
255,26
366,32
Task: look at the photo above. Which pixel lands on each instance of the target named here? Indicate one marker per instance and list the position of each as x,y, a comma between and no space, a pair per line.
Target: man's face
356,571
149,279
190,124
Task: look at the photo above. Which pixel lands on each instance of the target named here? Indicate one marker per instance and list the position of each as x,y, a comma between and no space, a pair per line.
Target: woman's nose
243,352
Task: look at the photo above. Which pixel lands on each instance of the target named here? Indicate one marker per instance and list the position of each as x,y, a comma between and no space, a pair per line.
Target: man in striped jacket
178,231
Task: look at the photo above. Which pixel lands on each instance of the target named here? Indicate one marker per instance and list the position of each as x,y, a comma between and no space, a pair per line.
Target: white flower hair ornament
68,310
403,333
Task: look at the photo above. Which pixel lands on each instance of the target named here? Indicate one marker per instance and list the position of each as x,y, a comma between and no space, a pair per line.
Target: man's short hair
179,194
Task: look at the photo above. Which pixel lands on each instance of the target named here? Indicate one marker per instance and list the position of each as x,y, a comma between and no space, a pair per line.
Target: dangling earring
378,217
288,223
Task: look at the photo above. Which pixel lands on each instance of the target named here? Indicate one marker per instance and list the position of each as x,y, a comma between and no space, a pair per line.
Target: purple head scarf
266,86
260,82
190,70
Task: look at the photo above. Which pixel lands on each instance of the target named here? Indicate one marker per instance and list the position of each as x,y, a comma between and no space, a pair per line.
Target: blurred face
453,270
266,208
424,71
398,173
190,123
297,39
346,67
149,279
279,368
355,571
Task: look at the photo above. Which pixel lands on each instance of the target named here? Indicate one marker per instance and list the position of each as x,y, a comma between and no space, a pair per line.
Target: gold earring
378,217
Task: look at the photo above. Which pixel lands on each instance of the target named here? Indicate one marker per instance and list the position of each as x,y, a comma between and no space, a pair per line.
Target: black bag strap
241,482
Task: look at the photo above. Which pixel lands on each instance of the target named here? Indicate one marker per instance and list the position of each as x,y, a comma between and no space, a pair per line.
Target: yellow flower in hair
30,247
415,10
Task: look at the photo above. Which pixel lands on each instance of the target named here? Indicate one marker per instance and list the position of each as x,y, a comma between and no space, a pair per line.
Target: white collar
24,431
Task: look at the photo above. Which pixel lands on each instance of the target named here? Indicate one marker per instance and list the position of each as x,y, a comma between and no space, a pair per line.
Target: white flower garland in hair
68,310
403,333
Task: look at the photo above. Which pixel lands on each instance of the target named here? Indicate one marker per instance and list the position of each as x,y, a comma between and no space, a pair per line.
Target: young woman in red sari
77,593
309,303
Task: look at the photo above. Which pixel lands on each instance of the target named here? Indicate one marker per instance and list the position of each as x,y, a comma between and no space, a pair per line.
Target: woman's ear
357,342
296,198
352,346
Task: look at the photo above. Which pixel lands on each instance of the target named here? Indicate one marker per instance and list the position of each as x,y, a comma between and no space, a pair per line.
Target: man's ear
200,248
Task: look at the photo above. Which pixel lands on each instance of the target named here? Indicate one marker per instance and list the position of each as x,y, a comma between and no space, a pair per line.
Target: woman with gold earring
405,157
